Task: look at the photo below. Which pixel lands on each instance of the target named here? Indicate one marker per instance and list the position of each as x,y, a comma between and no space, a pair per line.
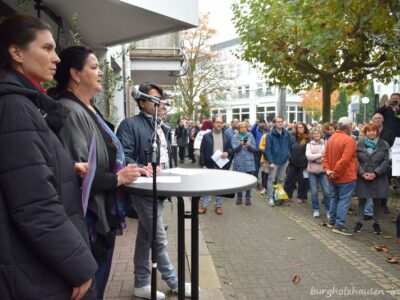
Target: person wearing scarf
372,180
298,164
44,249
243,146
78,80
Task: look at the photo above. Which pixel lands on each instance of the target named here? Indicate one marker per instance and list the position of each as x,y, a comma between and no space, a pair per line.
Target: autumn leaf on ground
323,223
387,237
290,238
393,260
382,248
299,264
296,278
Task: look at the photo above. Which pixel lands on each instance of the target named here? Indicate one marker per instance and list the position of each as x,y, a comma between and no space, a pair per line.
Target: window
268,91
240,92
241,113
246,91
259,91
219,112
294,113
266,113
299,114
260,112
271,113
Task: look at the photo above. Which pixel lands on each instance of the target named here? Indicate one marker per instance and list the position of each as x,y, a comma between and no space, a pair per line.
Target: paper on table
396,157
88,179
221,162
182,171
160,179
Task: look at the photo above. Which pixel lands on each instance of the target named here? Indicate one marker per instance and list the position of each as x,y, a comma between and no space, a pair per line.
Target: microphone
136,94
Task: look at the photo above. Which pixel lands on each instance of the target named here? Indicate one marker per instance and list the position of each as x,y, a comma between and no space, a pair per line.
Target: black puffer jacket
44,250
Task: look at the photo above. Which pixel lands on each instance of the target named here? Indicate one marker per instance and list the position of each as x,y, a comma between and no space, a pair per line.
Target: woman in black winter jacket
44,252
297,167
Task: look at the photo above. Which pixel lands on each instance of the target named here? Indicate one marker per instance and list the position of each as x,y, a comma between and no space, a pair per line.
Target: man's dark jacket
207,150
135,134
44,250
391,120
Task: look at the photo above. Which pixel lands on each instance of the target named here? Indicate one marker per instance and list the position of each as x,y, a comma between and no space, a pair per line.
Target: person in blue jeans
316,173
211,142
277,151
136,134
243,147
340,164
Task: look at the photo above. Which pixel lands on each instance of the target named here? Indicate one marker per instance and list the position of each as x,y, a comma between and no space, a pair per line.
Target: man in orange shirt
340,164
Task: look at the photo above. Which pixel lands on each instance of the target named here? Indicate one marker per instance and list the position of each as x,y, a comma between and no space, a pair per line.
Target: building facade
250,96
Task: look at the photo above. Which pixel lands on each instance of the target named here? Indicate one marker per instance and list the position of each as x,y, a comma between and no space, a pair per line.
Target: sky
220,18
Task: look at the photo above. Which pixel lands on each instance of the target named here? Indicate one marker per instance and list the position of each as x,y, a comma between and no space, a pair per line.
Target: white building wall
250,102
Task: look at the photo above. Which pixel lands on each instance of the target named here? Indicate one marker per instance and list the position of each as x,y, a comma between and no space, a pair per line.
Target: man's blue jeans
340,203
323,181
144,209
205,199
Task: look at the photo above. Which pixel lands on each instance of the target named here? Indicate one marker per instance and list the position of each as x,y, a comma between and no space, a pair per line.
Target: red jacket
340,157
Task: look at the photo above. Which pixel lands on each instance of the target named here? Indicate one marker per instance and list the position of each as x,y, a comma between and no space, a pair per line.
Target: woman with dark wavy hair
78,79
297,168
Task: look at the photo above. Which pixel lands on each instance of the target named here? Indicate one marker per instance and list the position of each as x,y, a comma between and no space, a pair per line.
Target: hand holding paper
220,158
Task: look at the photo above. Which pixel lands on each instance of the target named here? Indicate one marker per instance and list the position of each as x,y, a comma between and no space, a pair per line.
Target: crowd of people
342,159
55,245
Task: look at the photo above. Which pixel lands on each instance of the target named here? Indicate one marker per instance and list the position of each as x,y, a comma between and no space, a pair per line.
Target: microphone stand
154,163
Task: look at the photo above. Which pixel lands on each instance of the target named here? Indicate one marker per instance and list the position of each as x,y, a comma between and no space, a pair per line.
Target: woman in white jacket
314,151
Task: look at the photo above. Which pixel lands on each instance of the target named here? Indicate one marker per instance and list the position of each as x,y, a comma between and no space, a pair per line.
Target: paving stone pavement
253,252
121,283
258,249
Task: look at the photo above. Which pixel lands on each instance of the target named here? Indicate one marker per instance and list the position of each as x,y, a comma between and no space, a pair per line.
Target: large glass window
241,113
219,112
260,112
270,114
294,113
266,113
300,114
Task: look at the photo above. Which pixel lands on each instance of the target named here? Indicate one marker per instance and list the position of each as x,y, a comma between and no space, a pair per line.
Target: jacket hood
53,112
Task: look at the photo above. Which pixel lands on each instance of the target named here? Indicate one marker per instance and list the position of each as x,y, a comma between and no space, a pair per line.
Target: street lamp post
365,101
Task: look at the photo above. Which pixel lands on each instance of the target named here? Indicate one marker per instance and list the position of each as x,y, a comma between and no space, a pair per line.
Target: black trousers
191,150
182,153
295,175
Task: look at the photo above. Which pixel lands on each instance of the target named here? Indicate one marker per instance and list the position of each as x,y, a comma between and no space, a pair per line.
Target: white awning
109,22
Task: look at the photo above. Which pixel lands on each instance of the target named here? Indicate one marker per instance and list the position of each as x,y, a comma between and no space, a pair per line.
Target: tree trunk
281,104
326,99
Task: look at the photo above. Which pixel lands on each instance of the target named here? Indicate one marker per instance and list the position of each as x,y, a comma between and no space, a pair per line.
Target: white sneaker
263,191
145,292
316,214
188,290
271,203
